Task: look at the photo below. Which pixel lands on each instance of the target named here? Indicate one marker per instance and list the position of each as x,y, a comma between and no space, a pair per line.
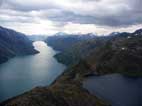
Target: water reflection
23,73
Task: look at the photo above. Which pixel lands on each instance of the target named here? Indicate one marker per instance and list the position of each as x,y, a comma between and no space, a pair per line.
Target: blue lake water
23,73
116,89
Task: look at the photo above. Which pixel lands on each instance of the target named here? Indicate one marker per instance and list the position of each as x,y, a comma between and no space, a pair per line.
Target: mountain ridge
14,43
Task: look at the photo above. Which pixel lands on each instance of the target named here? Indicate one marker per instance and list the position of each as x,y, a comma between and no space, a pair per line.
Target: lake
116,89
23,73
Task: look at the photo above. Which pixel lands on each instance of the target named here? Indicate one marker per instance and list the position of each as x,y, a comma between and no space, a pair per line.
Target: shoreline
68,85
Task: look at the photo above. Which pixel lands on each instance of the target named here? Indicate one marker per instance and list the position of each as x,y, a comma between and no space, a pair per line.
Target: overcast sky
71,16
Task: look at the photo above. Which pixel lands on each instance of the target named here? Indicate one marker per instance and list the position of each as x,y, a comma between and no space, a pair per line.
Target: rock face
13,43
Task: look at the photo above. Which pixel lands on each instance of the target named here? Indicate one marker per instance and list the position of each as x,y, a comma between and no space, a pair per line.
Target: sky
71,16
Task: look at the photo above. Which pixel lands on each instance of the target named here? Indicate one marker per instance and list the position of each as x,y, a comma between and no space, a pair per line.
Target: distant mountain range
13,43
37,37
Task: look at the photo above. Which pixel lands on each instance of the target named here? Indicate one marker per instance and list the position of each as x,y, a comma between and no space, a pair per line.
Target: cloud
88,13
28,5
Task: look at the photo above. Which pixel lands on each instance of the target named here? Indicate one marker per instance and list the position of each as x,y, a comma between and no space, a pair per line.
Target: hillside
13,43
119,53
62,42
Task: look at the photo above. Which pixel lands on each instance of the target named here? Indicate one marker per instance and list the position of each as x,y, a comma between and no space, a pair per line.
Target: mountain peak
138,32
61,34
114,34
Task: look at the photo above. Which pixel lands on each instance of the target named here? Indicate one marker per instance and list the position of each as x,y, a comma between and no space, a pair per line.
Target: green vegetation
121,53
80,50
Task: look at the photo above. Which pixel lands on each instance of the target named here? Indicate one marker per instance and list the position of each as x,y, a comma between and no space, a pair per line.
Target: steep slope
80,50
120,54
61,42
117,53
13,43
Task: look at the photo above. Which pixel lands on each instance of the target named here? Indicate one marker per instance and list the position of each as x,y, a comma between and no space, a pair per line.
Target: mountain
74,47
114,34
118,53
13,43
65,41
37,37
60,34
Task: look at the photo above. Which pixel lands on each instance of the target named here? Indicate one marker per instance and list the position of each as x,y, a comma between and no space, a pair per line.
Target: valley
88,58
70,53
22,73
